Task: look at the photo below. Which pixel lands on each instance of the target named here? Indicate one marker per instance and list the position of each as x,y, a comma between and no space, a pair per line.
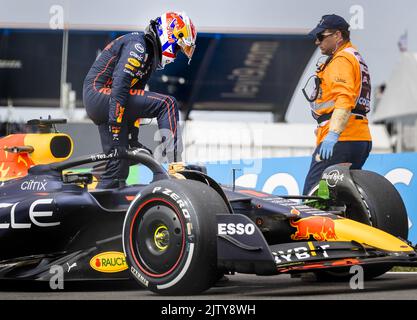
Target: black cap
329,21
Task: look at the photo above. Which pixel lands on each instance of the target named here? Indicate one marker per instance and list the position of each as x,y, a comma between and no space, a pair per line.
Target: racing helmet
175,32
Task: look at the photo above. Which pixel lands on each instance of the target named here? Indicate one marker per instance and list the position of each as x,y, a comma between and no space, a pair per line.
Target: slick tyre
385,210
170,237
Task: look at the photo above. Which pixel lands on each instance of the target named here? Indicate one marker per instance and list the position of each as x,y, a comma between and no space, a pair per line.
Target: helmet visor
188,50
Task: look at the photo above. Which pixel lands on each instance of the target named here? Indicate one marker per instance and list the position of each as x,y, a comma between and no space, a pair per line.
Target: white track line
392,272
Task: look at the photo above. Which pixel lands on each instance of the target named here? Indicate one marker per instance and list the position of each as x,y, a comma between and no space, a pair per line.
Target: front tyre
170,237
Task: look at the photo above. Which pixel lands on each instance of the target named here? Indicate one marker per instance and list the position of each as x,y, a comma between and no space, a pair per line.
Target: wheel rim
157,238
161,237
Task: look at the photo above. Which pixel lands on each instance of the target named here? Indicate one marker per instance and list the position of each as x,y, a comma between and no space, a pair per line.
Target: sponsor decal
337,79
129,72
232,228
135,92
320,228
295,211
128,66
33,185
135,55
119,111
109,262
139,74
320,213
365,102
115,129
10,64
70,266
333,177
100,156
133,82
139,276
106,91
139,47
134,62
298,253
257,61
34,215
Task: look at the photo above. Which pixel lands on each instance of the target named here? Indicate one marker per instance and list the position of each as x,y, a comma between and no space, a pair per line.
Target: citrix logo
34,185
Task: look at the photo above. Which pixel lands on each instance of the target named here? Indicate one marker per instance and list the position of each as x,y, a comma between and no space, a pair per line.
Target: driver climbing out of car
114,95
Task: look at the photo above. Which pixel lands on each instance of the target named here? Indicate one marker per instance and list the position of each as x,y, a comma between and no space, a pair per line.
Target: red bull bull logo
119,112
320,228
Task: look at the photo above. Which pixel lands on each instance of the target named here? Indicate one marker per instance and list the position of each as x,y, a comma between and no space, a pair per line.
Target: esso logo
232,228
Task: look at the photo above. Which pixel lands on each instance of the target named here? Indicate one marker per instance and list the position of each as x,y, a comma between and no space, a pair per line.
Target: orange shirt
341,87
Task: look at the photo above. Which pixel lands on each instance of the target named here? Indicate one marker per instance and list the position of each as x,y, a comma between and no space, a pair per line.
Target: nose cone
348,230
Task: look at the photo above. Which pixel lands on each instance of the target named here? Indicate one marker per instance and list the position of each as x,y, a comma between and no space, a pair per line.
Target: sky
376,25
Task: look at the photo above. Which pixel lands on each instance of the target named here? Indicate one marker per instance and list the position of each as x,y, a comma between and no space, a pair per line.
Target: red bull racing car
178,236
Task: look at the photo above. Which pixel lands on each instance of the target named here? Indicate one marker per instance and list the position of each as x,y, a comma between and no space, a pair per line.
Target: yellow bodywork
323,228
47,148
43,151
350,230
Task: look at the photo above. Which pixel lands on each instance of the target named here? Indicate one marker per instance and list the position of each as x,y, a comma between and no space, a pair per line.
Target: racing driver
114,95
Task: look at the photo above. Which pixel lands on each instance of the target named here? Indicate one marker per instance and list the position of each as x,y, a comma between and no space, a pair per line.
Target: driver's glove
326,149
118,151
116,148
175,168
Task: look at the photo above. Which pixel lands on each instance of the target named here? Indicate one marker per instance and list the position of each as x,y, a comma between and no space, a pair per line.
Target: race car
181,232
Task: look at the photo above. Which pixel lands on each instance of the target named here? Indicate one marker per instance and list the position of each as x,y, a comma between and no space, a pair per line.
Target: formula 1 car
178,236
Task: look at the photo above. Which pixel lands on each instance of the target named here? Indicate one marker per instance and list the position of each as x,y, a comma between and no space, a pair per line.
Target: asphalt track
391,286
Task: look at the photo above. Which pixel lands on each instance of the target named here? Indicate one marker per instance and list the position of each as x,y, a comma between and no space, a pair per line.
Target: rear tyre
385,210
170,237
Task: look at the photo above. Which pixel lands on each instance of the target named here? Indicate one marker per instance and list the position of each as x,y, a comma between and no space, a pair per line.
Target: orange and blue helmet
176,32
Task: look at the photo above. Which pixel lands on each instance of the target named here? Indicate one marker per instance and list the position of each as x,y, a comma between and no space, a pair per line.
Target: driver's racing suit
114,98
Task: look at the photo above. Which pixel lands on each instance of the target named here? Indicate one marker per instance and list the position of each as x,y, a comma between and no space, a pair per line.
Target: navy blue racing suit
114,99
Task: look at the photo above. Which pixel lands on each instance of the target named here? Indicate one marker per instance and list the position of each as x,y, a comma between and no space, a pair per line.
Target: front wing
241,247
